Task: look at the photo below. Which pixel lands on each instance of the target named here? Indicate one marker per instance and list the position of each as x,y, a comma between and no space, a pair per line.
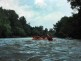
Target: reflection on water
26,49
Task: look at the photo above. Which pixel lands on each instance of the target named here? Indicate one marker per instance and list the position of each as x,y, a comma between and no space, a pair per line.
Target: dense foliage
70,26
11,25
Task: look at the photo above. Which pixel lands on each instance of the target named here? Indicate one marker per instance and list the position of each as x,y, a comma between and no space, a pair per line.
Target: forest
11,25
70,26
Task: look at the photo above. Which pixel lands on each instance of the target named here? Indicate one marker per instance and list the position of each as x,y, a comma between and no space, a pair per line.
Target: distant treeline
11,25
70,26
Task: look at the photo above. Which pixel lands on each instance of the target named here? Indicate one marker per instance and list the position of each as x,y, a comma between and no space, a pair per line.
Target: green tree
5,28
76,4
51,32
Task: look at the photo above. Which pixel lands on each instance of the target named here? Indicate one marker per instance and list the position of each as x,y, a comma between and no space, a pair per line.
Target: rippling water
26,49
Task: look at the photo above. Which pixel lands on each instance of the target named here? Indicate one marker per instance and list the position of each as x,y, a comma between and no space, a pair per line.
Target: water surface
26,49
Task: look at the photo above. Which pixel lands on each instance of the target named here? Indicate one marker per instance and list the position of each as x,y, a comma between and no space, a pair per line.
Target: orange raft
42,38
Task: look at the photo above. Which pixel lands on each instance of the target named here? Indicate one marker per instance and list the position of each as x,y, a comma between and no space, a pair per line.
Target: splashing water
26,49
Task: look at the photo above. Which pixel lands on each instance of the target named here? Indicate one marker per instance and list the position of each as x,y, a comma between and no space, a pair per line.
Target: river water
26,49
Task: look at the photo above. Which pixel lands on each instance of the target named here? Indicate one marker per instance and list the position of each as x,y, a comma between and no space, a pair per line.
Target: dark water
26,49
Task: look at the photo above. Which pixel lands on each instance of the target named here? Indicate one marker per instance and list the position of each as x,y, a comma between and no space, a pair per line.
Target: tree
10,24
22,20
76,4
45,32
51,32
5,28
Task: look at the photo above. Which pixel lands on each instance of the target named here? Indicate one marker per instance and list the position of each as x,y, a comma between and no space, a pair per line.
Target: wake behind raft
49,38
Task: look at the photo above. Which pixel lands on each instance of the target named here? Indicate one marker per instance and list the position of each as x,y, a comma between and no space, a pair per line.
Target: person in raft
49,37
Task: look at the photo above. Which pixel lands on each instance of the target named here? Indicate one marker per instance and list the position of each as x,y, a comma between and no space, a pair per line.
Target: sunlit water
26,49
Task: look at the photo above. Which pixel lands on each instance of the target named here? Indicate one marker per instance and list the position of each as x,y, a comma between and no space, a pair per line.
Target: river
26,49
